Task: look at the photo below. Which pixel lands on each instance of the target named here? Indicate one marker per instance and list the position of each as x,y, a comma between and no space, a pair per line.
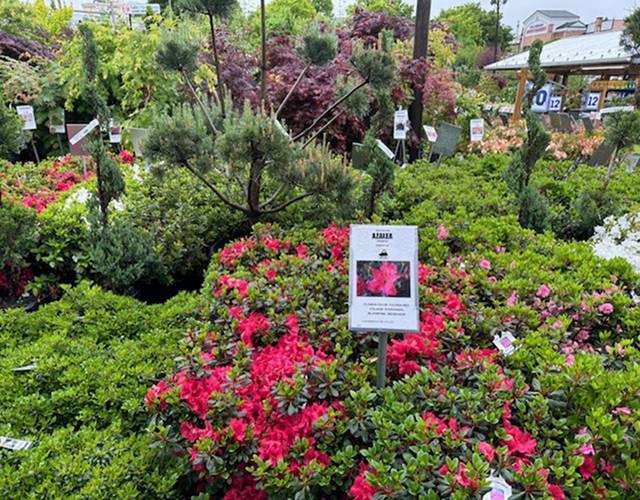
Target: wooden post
565,83
420,45
522,75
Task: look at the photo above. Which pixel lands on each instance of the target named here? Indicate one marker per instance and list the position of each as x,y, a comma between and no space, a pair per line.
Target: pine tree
533,209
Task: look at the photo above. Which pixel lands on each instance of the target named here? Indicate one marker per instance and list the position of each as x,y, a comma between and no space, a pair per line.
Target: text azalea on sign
383,279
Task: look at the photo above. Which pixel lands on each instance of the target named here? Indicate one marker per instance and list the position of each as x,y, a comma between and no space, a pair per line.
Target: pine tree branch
273,198
335,105
185,77
222,197
323,128
292,90
286,204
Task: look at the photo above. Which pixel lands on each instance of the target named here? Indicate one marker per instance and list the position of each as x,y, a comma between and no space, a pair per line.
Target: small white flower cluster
619,237
79,196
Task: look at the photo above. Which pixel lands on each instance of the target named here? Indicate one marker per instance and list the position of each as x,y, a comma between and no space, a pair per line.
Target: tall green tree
630,40
533,212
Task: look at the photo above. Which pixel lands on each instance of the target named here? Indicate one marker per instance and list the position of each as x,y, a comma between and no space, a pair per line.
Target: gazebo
596,54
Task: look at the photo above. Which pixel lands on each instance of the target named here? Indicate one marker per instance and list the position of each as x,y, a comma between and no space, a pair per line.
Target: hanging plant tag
504,343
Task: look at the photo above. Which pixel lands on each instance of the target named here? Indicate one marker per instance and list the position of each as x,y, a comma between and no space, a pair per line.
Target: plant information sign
27,116
383,279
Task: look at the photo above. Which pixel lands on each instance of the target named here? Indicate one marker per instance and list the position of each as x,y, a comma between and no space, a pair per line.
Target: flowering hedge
275,397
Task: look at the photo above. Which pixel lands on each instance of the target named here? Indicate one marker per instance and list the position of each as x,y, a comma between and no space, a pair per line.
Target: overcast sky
514,10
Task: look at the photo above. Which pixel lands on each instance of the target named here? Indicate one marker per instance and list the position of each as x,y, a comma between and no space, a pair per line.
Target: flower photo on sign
383,279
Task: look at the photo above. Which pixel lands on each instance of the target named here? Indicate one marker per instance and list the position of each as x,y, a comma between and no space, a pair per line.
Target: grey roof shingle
557,13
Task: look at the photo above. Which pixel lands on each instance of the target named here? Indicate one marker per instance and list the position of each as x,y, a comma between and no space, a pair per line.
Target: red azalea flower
520,443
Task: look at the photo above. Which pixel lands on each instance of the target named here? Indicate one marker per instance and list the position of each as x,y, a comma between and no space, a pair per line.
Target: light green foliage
83,406
11,134
283,16
323,7
472,25
130,80
16,18
391,7
53,20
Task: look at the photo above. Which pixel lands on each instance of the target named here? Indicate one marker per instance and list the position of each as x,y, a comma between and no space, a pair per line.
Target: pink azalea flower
543,291
623,409
605,308
443,232
485,264
513,300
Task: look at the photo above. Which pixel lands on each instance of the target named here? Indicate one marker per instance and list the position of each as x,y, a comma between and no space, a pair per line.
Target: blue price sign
555,103
592,102
541,100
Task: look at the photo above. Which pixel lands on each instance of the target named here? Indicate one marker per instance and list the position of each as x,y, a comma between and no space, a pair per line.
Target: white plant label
500,489
282,129
385,149
24,368
84,132
383,279
14,444
114,132
431,133
504,343
400,124
477,129
27,116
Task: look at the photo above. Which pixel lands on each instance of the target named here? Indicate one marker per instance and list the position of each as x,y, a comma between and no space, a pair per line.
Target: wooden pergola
598,54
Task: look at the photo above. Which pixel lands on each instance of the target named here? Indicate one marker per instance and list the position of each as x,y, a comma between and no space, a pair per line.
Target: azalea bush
275,397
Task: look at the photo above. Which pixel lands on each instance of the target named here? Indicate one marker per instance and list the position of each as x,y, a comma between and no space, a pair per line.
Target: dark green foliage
622,130
17,233
381,172
121,255
217,8
178,52
11,134
533,213
630,38
318,47
376,65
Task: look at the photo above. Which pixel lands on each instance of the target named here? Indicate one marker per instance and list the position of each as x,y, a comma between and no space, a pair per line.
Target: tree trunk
609,172
216,61
263,66
420,46
253,191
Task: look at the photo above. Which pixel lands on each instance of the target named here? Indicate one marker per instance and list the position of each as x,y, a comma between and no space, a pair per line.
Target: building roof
574,52
557,13
572,24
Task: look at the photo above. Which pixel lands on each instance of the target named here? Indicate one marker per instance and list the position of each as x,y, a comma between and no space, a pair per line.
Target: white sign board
14,444
84,132
140,9
555,103
477,129
506,109
592,102
542,100
432,135
114,132
400,124
383,279
28,118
